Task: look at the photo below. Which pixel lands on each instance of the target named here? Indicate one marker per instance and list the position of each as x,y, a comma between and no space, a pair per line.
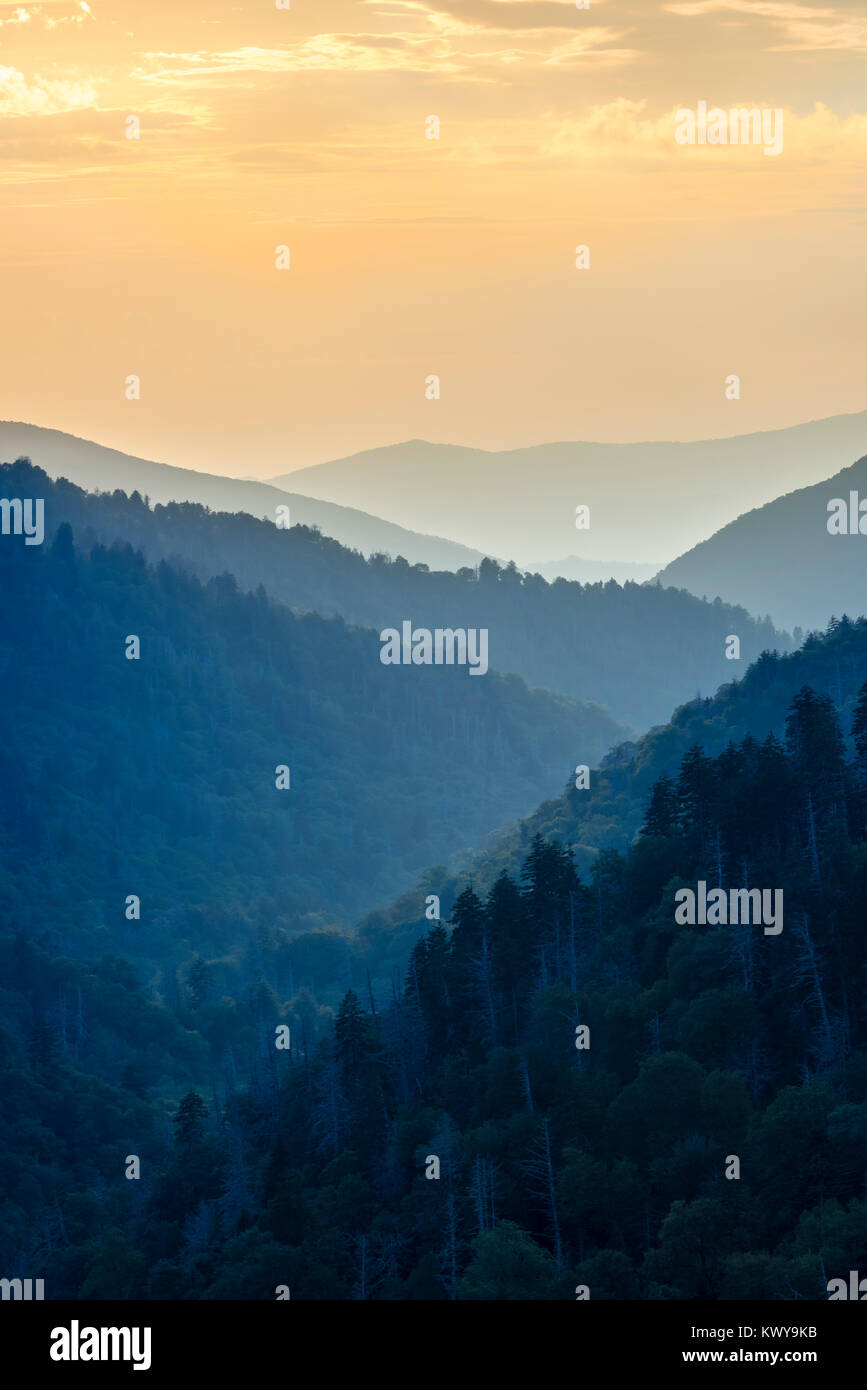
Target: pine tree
465,951
468,916
695,791
189,1119
859,730
428,983
660,817
353,1035
815,744
512,963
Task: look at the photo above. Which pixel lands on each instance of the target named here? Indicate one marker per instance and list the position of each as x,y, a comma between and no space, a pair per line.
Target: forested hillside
565,1091
607,815
94,466
158,776
639,651
573,1068
783,560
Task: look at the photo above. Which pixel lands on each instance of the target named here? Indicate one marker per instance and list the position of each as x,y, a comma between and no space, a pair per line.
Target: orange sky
306,127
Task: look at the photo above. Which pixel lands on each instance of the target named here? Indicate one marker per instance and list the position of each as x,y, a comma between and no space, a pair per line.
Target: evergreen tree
695,792
859,729
660,818
353,1035
189,1119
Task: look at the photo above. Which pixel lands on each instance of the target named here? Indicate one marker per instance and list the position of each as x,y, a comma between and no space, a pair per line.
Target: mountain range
169,783
95,467
648,502
582,1067
638,650
605,817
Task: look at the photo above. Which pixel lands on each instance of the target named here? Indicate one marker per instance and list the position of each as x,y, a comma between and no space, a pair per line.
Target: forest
583,1070
638,650
433,674
156,776
356,1046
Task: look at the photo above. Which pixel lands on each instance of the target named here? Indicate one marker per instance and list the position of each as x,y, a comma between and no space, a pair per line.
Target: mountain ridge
584,641
99,466
607,815
782,558
529,512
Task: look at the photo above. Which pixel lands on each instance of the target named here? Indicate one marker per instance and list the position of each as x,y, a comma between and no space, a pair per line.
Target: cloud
23,15
437,53
42,96
81,16
804,28
464,17
323,52
621,130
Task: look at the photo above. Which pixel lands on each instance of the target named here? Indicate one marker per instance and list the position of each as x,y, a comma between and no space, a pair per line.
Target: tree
465,947
696,784
507,1264
695,1240
427,985
353,1035
660,818
815,745
540,1170
189,1119
505,966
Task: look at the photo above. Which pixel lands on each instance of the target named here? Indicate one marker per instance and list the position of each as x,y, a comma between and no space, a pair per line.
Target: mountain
580,1071
158,776
619,1095
638,650
525,616
521,503
94,467
781,559
606,816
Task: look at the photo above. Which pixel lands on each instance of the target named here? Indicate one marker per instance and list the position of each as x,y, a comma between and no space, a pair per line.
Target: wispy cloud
802,28
80,13
444,53
324,52
624,130
39,96
465,17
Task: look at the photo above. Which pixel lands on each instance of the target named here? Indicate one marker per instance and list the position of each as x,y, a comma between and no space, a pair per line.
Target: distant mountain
92,466
638,650
646,500
781,559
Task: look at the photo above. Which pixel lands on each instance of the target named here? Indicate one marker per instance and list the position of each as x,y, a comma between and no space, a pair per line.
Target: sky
410,257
